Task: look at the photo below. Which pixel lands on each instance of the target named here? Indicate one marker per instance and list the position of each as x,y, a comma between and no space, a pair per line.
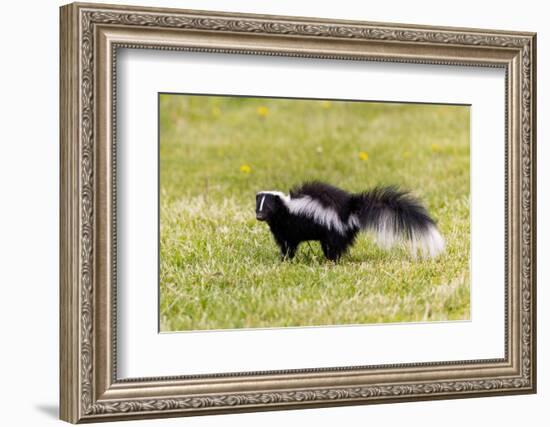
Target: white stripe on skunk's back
311,208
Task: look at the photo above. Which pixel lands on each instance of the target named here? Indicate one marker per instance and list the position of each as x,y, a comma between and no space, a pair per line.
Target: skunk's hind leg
331,252
334,247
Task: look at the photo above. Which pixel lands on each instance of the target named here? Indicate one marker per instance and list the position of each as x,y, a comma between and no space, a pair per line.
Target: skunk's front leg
288,250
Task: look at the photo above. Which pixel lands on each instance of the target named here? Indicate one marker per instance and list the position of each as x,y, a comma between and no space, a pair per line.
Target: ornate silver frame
90,36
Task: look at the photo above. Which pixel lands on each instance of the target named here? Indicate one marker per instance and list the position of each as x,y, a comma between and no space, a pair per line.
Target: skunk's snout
260,216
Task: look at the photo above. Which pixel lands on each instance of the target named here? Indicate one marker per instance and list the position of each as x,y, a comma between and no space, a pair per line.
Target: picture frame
91,35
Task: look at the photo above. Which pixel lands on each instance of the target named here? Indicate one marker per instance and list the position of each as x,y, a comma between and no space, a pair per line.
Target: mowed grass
220,268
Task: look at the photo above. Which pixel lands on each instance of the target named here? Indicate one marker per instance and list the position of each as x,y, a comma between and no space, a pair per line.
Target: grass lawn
220,268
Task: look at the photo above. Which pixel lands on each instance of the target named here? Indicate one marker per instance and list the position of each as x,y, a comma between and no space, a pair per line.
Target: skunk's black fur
318,211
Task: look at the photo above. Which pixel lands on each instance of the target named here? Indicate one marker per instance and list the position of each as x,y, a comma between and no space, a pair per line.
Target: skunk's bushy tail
396,216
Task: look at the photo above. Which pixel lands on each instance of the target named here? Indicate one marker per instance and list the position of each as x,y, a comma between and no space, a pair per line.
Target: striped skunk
322,212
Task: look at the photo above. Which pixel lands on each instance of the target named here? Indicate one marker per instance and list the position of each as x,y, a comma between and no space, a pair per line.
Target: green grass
219,267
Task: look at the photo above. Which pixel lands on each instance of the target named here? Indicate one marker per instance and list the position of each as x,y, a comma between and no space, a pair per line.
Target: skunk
321,212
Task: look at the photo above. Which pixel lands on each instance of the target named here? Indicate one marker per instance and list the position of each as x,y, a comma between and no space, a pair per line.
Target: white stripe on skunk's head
268,203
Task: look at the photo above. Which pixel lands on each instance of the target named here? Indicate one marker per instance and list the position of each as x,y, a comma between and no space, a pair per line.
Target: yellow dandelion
245,169
326,104
363,155
436,148
262,111
216,111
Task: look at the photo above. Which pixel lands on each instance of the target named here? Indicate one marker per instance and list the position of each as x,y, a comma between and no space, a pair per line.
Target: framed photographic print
264,212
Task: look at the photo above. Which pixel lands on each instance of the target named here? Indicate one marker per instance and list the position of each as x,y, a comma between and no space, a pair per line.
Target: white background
143,352
29,171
